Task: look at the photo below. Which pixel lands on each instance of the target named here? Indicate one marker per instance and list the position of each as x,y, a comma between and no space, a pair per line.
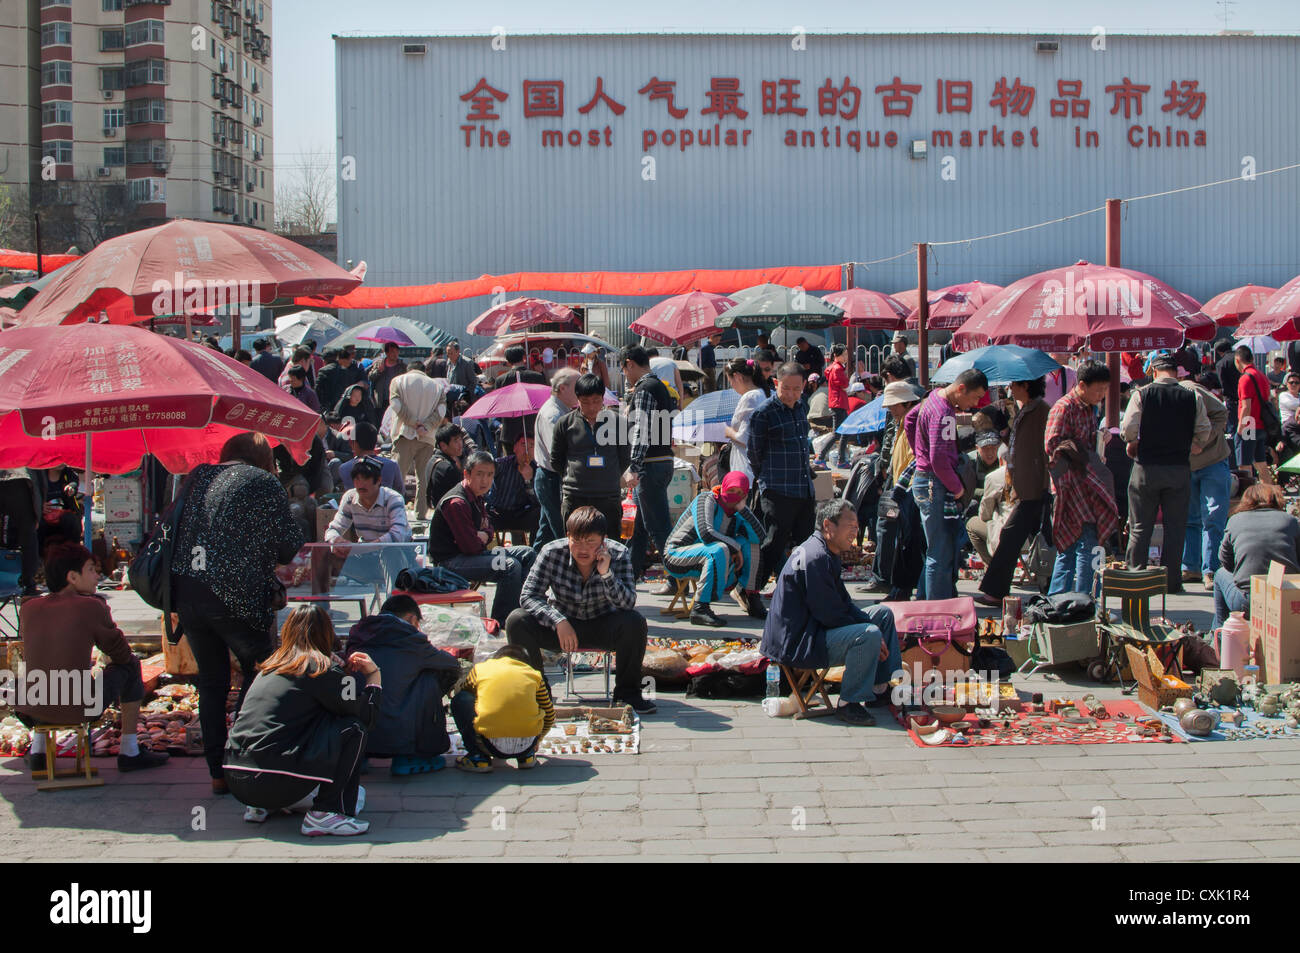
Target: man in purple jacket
931,429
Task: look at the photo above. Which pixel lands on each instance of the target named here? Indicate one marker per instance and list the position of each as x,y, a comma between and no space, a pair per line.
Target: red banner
649,284
26,260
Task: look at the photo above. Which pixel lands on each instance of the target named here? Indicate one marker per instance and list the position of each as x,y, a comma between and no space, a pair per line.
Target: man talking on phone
591,605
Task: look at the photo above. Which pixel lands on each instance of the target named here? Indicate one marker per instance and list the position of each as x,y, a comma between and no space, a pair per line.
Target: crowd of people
1015,475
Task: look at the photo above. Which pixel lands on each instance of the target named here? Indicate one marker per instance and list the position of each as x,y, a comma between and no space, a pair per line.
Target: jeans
857,648
506,566
546,484
1074,571
839,415
652,516
463,711
940,535
213,634
622,631
1206,517
1166,488
1227,596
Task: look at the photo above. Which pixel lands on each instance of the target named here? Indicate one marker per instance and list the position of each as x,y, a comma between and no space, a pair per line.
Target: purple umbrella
513,400
387,335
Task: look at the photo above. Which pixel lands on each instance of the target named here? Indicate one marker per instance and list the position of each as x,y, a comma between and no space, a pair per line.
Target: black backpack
150,573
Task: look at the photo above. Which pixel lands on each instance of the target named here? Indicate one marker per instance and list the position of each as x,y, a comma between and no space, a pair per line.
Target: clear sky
304,49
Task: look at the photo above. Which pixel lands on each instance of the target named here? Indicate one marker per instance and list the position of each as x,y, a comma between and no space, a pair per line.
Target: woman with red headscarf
717,541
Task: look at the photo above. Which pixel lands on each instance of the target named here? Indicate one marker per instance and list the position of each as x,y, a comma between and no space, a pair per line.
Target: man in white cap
900,349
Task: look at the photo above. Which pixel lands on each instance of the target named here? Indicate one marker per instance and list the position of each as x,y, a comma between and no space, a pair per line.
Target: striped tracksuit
703,540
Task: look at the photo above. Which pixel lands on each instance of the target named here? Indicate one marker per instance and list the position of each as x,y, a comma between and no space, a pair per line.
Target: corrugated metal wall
424,208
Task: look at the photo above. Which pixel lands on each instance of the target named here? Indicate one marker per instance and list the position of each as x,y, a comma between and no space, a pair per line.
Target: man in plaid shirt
1085,509
592,603
778,455
650,433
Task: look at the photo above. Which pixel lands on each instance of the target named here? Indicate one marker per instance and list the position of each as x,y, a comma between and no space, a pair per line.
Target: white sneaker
319,824
256,815
361,799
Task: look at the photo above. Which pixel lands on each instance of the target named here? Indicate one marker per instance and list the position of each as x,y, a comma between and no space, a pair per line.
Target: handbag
934,634
150,573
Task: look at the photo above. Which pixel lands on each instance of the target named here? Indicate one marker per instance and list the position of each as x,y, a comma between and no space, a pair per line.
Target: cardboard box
128,534
823,485
1275,624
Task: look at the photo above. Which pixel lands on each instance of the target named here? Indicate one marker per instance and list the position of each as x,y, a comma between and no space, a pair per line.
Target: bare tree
304,194
15,217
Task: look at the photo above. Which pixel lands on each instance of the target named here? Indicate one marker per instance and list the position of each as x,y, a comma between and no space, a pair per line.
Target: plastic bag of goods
444,626
664,665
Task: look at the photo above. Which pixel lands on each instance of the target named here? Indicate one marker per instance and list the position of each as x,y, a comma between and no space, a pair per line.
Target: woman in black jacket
356,405
234,529
302,729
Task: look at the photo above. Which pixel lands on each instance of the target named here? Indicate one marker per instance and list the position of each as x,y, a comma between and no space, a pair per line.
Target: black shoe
145,759
640,704
754,607
703,614
992,602
854,713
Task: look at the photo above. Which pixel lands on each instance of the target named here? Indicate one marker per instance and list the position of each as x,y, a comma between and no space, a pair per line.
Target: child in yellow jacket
503,711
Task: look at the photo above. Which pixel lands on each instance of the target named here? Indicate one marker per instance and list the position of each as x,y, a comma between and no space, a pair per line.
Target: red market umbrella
519,314
909,299
869,310
682,319
387,335
1279,315
1235,305
1085,305
513,400
183,267
104,396
951,306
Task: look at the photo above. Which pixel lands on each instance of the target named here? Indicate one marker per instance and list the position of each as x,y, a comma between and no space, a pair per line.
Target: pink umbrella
951,306
520,314
1231,307
387,335
1085,305
910,299
181,267
1278,316
513,400
103,396
869,310
682,319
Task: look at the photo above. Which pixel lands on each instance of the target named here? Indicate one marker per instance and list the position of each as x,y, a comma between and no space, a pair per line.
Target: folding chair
84,775
1134,588
10,590
683,601
809,688
570,695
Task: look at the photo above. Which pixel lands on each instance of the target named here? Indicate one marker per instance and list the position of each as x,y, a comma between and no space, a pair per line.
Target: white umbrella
1260,343
295,328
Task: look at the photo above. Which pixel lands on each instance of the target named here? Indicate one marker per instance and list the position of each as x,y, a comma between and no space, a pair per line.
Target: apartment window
56,112
111,38
146,151
114,118
56,34
144,31
56,73
263,175
59,149
55,3
147,190
146,110
213,49
114,156
112,5
146,72
112,77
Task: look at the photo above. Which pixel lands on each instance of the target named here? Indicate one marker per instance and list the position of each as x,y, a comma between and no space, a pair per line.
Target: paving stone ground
717,780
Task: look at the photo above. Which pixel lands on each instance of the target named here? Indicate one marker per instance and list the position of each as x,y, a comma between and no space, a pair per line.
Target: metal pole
236,322
36,219
1113,207
923,317
849,282
89,506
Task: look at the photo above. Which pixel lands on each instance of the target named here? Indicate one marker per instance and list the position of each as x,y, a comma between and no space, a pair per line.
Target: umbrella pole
1112,260
89,511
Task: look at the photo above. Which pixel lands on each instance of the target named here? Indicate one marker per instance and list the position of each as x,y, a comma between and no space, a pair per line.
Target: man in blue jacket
814,624
412,726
